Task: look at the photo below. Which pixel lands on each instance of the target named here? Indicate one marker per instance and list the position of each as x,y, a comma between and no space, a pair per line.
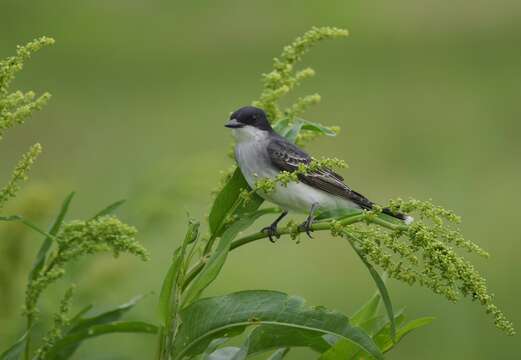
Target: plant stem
209,244
27,351
321,226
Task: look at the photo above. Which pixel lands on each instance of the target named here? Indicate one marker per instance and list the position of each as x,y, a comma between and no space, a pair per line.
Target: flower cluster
424,253
61,321
77,238
16,107
19,174
283,78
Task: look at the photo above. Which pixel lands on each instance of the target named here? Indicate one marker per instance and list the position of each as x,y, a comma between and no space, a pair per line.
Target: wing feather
287,157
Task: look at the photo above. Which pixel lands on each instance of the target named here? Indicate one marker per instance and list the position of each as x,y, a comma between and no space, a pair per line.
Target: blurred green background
427,94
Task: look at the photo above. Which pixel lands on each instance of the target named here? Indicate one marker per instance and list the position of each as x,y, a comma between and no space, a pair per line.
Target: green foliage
61,320
16,350
283,78
170,297
418,253
19,174
65,240
191,326
225,206
79,238
83,328
424,253
376,326
212,318
16,107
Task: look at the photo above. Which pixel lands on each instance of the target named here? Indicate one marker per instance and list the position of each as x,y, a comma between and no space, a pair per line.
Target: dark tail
404,217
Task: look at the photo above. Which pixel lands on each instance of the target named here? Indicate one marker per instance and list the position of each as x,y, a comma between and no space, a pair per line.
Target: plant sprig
423,253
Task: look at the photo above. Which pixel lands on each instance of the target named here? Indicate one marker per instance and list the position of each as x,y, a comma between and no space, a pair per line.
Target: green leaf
225,353
172,280
379,284
212,347
109,209
225,201
16,350
270,337
381,334
26,223
217,259
292,133
80,325
79,315
343,349
106,316
279,354
215,317
47,242
61,351
385,342
281,127
367,311
171,289
316,127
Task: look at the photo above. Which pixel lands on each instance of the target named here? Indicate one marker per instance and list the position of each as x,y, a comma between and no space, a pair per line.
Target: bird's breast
255,164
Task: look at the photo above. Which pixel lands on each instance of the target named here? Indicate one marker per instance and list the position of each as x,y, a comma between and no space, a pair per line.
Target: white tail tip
408,220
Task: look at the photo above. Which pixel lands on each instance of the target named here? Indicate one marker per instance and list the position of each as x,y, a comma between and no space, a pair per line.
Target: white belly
296,196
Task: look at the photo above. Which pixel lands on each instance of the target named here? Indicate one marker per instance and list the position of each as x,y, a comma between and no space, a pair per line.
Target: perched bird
262,153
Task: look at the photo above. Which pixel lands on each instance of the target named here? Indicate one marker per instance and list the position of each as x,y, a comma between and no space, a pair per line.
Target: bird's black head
249,115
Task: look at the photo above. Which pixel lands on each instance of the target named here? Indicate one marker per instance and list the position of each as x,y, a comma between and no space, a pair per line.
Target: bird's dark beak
233,124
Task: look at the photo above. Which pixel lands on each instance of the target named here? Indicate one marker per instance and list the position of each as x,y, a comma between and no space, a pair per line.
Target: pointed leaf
211,318
80,325
16,350
385,343
212,347
374,327
281,127
279,354
26,223
47,242
292,134
109,209
172,279
269,337
217,259
107,316
380,285
316,127
61,350
225,201
225,353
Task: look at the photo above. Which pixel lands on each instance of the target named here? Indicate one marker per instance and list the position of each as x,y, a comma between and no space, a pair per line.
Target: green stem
321,226
209,244
27,352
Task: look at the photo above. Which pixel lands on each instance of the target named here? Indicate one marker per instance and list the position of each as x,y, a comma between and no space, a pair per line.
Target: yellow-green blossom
19,174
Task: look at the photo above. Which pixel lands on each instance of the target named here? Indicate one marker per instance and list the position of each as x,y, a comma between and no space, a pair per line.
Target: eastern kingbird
262,153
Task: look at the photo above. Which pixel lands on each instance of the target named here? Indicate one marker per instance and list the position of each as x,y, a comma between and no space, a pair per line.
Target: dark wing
286,157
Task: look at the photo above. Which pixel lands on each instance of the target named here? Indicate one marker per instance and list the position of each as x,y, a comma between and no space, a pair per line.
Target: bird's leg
272,229
306,225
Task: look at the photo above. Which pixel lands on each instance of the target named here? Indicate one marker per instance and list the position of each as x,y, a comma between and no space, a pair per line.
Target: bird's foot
271,231
306,226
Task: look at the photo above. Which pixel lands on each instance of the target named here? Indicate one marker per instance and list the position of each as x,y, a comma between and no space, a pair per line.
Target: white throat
249,134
